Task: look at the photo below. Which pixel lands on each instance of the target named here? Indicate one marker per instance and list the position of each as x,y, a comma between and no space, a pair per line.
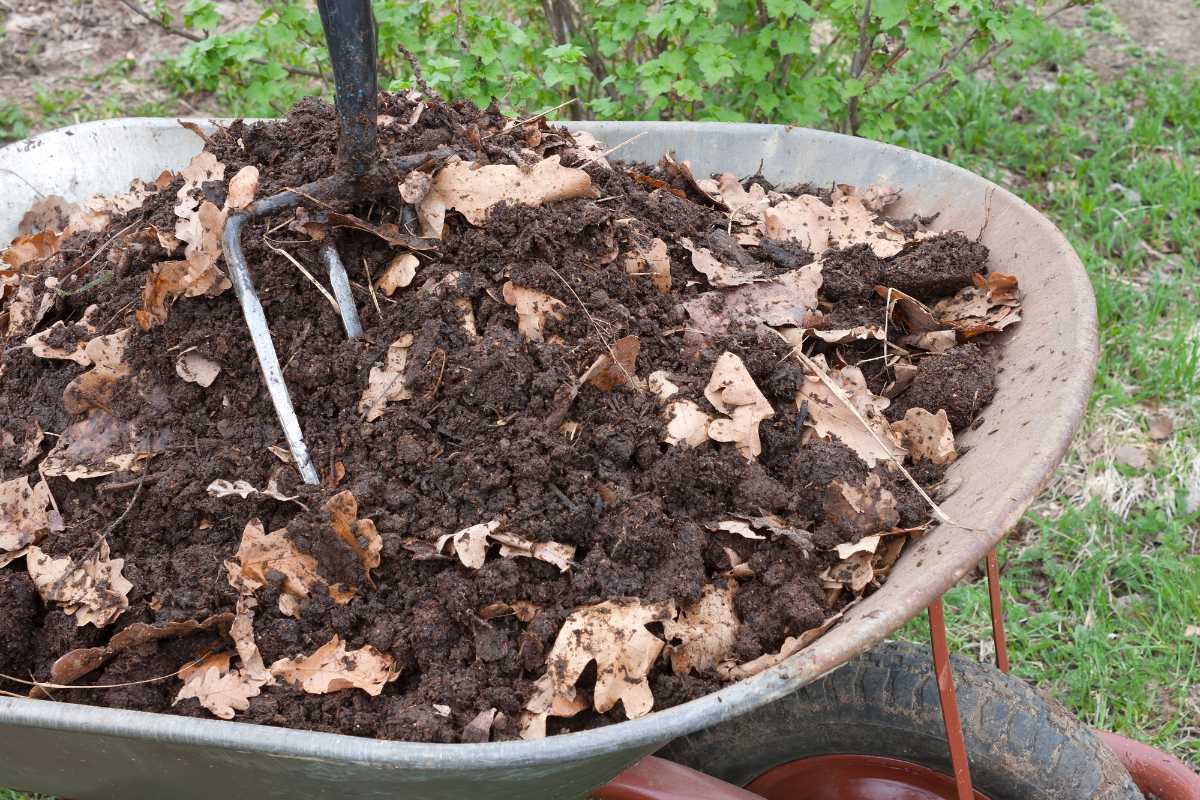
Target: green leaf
202,14
890,12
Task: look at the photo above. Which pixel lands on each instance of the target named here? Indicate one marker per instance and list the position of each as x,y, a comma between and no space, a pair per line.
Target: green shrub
859,65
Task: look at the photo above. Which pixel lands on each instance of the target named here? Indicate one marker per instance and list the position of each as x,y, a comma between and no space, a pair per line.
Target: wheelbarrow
83,751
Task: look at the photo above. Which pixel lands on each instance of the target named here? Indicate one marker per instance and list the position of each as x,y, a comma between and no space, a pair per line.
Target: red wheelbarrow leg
949,700
1155,772
655,778
997,605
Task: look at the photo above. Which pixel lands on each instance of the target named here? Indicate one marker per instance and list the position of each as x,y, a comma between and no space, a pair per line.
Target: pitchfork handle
350,34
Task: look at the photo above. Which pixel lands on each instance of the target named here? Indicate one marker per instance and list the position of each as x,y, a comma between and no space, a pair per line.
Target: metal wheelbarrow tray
82,751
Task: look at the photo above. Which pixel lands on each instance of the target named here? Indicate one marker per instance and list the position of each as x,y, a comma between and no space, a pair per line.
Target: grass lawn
1102,579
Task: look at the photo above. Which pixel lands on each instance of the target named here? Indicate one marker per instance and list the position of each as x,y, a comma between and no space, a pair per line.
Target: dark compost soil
470,445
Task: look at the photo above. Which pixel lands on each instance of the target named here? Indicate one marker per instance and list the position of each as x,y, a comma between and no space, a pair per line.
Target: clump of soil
571,454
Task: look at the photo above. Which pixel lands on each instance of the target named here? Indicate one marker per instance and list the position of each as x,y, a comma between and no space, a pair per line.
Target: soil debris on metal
614,435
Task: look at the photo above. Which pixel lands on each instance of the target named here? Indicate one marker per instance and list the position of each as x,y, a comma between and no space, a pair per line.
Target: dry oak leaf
654,261
170,279
219,689
39,343
861,510
260,553
615,367
333,668
242,188
732,391
479,729
855,572
737,526
28,248
26,515
746,207
912,315
399,273
470,544
843,335
94,389
928,437
789,299
386,384
828,414
93,590
876,197
659,382
125,202
807,220
932,341
95,446
686,424
704,633
614,635
991,305
472,190
532,308
196,368
710,266
358,534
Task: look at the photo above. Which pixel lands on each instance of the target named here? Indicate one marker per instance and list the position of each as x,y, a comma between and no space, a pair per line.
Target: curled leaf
26,514
333,668
399,273
386,384
928,437
615,367
861,510
703,634
711,267
732,391
532,308
93,590
829,414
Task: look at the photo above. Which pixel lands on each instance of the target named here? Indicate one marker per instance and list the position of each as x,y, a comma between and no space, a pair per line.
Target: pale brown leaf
194,367
333,668
703,634
399,273
532,309
686,424
26,514
242,188
927,436
818,227
789,299
93,590
732,391
386,384
615,367
791,646
470,544
479,729
829,416
861,510
711,267
358,534
95,446
654,261
260,553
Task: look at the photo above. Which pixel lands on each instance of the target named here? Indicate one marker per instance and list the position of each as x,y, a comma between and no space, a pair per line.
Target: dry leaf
928,437
333,668
660,383
787,299
556,553
470,544
861,510
654,261
867,544
94,389
738,568
818,227
990,305
1131,456
358,534
911,314
523,610
614,635
95,446
616,367
196,368
222,691
791,646
706,189
39,343
843,335
746,207
26,515
415,186
932,341
479,729
399,273
532,308
171,279
732,391
93,590
386,384
472,190
828,415
261,553
1161,427
710,266
242,188
243,489
740,527
703,634
686,424
30,248
855,572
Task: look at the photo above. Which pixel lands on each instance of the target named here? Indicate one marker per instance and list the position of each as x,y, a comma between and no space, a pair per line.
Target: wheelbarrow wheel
1020,745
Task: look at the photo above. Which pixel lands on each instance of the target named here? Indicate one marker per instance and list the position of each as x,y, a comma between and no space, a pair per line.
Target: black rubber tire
1020,745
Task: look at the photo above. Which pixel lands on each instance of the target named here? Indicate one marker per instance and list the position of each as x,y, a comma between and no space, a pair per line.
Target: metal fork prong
341,288
260,334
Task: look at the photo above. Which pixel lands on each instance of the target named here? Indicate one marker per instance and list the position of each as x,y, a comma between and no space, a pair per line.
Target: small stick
561,496
629,378
371,287
304,272
101,249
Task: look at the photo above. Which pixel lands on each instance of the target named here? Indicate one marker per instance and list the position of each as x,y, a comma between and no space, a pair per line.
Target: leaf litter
631,373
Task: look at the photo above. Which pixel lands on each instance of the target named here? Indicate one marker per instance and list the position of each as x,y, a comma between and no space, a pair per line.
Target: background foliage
864,66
